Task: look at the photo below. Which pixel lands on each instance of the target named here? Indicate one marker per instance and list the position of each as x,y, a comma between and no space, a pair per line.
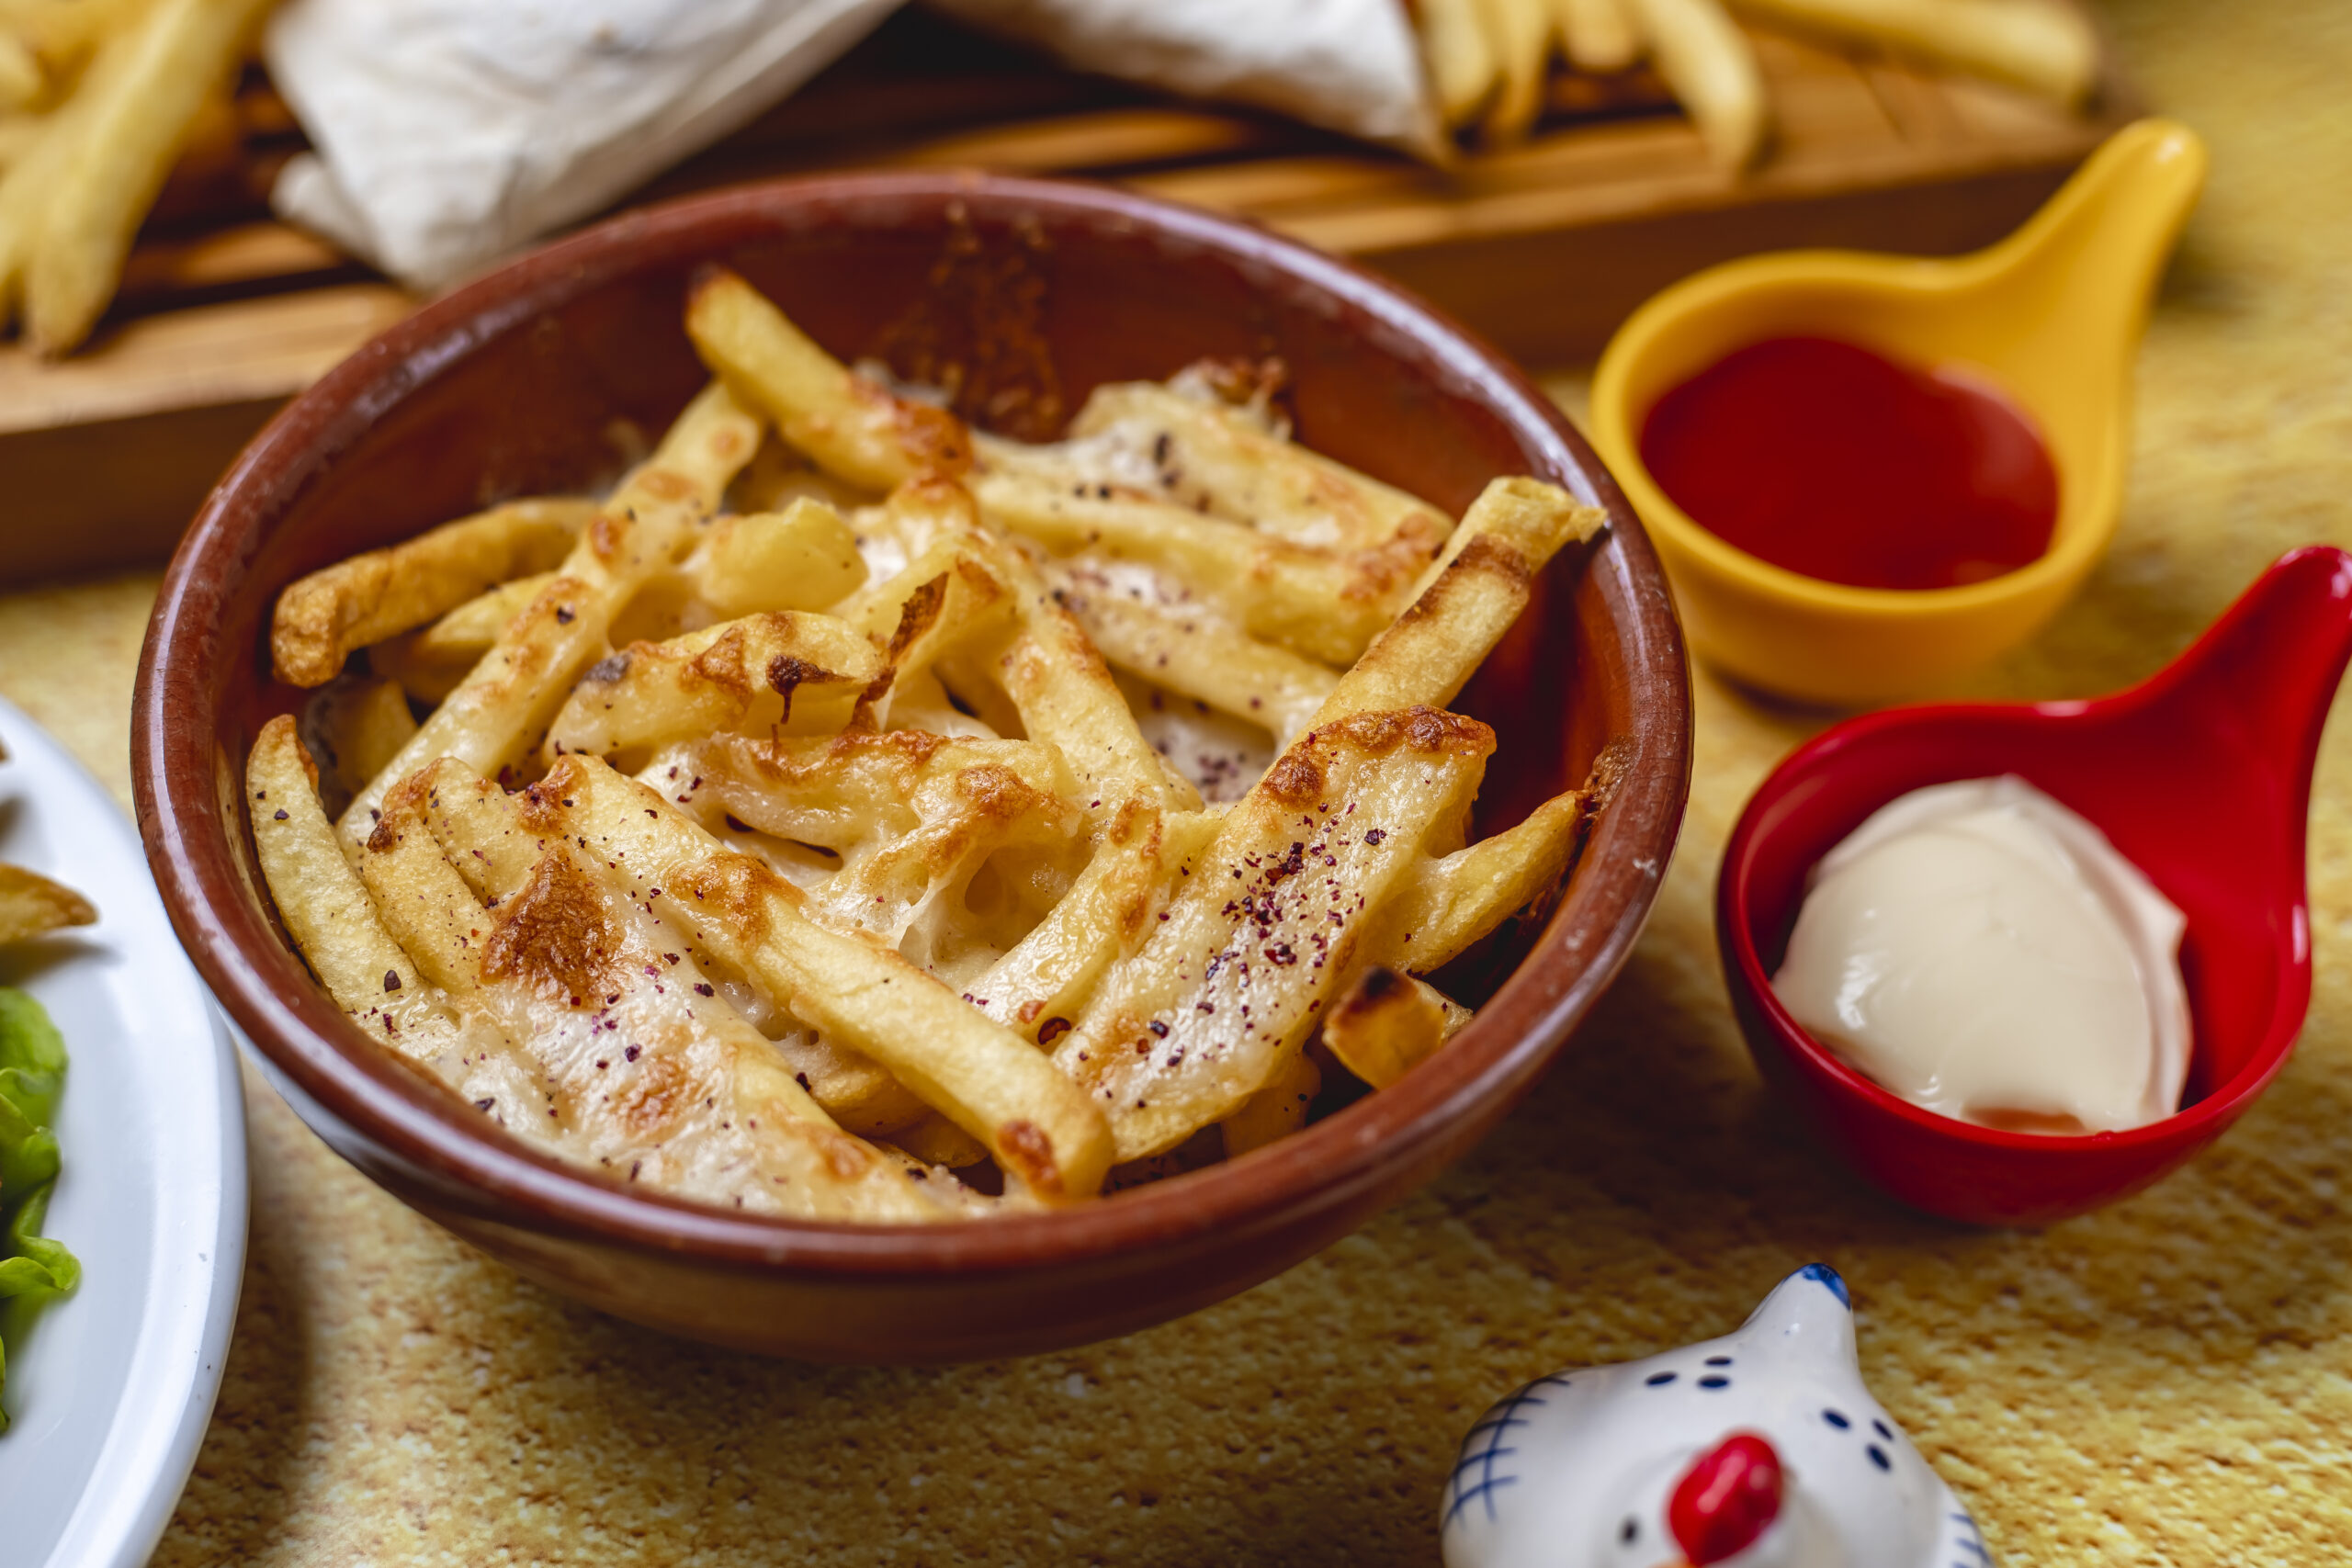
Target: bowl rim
2068,558
1743,959
1319,1171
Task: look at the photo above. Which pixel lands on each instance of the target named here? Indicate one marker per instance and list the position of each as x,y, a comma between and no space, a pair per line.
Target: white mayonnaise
1983,952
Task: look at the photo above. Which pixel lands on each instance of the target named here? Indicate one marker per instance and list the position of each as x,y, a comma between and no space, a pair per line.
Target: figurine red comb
1730,1496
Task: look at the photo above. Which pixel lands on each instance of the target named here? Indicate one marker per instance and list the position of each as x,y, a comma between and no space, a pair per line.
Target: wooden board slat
224,311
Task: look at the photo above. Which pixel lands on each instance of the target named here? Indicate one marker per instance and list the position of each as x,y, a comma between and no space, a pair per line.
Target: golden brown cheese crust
555,936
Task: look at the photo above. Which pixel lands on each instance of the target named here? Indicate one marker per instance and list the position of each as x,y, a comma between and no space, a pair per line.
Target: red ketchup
1830,460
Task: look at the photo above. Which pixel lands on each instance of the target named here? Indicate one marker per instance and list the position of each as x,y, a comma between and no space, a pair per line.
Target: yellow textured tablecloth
2169,1381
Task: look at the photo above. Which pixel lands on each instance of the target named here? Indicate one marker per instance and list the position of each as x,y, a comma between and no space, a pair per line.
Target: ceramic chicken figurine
1760,1449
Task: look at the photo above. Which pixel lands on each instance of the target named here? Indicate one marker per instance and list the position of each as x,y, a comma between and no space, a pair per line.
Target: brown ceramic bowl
517,384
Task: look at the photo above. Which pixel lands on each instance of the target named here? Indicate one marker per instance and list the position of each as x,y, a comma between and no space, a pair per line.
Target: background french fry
1598,35
175,57
1464,72
1708,61
1522,33
2039,45
22,80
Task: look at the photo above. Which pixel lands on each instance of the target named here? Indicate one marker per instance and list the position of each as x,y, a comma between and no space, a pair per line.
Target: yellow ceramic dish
2052,314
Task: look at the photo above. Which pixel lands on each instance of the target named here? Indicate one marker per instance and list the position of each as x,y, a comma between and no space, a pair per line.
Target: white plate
111,1389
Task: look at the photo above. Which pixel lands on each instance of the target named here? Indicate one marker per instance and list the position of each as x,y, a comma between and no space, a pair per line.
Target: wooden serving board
225,313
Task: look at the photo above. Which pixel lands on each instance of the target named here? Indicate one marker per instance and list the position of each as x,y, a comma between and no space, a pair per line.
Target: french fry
1467,601
1277,1111
1522,32
322,617
794,670
1320,604
854,428
352,727
1598,35
643,528
479,831
1040,984
836,791
1066,696
175,58
937,611
432,661
1254,946
63,32
559,928
1385,1026
22,80
421,899
42,161
2038,45
911,816
1194,651
935,1140
803,557
1453,902
18,135
863,432
779,475
886,887
1052,677
31,905
1464,72
1202,454
1707,61
325,907
1036,1123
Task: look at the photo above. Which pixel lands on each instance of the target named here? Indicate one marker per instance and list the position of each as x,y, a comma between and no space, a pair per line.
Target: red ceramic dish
515,384
2200,776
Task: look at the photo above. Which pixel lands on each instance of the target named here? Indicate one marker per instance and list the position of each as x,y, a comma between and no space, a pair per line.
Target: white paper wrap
1347,65
450,131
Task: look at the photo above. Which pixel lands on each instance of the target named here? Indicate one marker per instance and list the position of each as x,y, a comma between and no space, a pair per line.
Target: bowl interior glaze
552,373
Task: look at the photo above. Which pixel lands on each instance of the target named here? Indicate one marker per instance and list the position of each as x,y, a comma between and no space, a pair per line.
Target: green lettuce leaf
32,1073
